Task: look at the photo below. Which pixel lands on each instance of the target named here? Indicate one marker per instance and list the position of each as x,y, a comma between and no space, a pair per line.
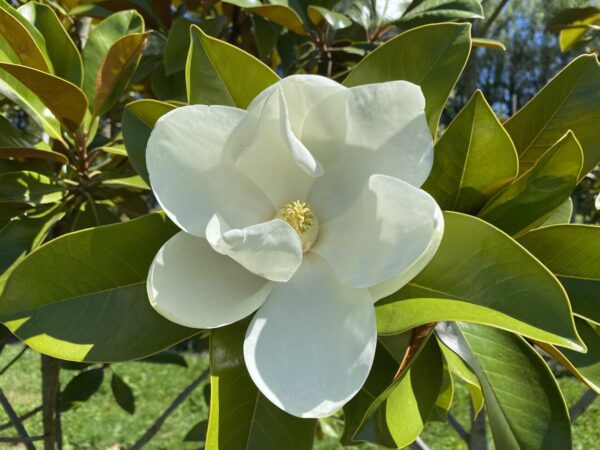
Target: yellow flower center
302,218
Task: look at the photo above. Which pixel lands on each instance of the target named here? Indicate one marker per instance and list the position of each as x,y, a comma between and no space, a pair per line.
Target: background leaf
89,302
432,56
218,73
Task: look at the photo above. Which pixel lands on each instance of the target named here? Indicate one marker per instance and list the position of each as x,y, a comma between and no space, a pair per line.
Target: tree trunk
50,406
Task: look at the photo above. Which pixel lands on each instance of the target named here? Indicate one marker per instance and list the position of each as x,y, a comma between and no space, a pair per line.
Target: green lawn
101,424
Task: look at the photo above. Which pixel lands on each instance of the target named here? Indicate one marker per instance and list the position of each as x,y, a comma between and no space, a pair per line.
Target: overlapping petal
310,347
192,285
191,175
389,233
271,249
357,132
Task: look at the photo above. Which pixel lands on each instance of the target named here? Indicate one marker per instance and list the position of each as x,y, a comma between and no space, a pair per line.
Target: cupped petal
192,285
354,133
272,250
388,235
268,152
301,93
310,347
191,175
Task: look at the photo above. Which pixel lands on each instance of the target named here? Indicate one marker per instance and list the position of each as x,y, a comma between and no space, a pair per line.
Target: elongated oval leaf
116,70
240,416
335,20
533,197
19,35
101,39
217,73
432,56
139,118
61,49
66,101
29,187
89,301
515,382
571,101
431,11
412,400
572,252
474,158
479,267
585,366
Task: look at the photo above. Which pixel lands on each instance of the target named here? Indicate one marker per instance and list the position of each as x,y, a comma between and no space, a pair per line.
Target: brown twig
50,393
419,335
17,424
150,432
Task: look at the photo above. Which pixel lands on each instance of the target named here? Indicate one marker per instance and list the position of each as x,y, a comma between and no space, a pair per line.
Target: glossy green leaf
20,94
585,366
101,39
571,101
89,301
65,100
524,404
81,388
126,180
240,416
560,215
443,403
166,357
335,20
123,393
577,28
23,43
116,70
361,423
29,187
488,43
139,118
432,56
177,46
458,367
533,197
11,136
474,158
572,253
22,235
60,47
278,13
431,11
365,414
219,73
480,274
413,398
93,215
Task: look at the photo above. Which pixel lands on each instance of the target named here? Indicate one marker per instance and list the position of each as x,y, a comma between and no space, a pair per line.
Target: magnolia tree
282,187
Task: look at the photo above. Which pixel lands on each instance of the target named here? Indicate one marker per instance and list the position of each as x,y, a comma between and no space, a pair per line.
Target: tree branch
465,436
14,360
22,418
14,419
488,23
150,432
582,405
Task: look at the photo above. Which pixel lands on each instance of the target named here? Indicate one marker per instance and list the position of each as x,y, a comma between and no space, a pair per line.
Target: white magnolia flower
305,208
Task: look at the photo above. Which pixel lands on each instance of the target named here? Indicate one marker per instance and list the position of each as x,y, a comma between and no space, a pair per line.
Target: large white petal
357,132
310,347
389,233
301,93
192,285
192,176
272,250
271,155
